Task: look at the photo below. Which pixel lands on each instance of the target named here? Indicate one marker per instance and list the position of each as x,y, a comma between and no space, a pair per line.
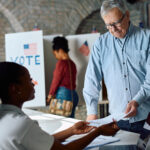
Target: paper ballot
102,140
97,142
108,119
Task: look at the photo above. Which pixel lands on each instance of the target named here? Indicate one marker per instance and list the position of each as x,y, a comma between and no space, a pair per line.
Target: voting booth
78,53
26,48
78,45
34,51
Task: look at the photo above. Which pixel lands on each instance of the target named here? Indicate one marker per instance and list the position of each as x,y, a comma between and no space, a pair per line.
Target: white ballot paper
101,141
97,142
108,119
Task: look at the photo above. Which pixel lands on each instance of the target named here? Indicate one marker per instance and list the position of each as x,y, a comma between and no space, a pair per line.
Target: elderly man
121,58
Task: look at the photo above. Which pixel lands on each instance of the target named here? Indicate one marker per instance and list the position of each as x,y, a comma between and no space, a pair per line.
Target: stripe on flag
30,49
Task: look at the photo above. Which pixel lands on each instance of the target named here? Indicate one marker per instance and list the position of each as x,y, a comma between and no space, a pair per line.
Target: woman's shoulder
73,63
15,120
62,63
15,116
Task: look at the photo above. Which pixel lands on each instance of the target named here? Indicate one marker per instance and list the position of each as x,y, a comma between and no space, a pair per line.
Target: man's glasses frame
115,24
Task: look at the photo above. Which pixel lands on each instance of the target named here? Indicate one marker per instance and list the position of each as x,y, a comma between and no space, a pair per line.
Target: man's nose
113,28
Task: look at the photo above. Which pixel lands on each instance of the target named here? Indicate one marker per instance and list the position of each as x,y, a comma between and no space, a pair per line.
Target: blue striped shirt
124,64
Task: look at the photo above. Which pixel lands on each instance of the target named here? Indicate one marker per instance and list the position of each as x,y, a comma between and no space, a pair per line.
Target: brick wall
54,16
137,15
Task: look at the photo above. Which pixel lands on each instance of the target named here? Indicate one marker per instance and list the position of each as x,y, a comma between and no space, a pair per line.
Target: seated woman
64,76
19,132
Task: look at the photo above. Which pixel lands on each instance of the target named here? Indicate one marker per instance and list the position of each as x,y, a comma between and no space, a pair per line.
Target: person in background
64,77
19,132
120,57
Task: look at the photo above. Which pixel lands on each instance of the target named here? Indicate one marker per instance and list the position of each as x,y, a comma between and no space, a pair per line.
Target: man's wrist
92,117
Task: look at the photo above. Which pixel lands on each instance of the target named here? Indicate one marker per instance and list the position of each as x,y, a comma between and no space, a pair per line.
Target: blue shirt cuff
139,98
92,108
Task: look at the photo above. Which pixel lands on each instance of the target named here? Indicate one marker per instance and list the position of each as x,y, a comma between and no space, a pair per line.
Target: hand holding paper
132,108
108,119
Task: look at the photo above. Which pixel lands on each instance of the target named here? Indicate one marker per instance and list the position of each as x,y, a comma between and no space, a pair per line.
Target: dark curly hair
60,42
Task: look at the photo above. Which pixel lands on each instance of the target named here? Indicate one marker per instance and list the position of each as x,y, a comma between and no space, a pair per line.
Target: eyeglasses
115,24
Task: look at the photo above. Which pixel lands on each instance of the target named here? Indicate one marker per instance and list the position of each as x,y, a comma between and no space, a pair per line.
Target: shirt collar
130,29
6,107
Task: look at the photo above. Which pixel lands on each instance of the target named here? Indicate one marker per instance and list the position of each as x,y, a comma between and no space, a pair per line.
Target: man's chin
119,36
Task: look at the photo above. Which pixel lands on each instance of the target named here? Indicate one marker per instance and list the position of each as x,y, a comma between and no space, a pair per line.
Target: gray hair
107,5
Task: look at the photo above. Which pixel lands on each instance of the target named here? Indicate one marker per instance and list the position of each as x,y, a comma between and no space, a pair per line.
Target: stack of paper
102,140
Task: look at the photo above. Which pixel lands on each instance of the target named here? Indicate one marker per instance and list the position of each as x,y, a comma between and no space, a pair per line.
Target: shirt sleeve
37,139
57,77
92,81
144,91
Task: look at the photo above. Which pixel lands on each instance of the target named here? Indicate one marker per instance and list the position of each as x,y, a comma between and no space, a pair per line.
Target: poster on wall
26,48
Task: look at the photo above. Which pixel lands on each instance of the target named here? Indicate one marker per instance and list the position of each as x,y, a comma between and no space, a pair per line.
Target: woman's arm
108,129
58,75
78,128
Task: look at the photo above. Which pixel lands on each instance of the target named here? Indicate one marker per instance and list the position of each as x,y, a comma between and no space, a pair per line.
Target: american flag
84,49
94,30
30,49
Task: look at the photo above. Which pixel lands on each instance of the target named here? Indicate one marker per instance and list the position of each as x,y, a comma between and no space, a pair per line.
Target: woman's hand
81,127
49,98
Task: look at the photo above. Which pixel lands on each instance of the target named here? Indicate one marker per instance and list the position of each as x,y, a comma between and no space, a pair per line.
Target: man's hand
108,129
91,117
81,128
132,108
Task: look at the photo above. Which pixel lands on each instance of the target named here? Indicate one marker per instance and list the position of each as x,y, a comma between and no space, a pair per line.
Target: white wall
81,61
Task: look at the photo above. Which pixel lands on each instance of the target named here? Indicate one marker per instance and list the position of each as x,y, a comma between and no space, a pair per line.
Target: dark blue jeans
136,127
64,93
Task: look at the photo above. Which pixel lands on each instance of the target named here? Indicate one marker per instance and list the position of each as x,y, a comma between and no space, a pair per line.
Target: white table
53,123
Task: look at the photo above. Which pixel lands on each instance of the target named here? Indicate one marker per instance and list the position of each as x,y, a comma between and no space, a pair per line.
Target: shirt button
123,63
125,76
126,89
